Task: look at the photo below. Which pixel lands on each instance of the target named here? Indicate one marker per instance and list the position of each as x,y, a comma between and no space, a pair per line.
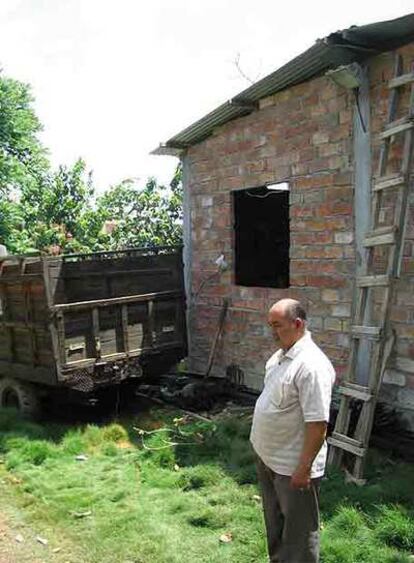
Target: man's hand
301,478
313,440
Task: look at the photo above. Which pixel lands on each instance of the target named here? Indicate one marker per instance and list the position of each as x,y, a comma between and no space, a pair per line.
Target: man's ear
299,323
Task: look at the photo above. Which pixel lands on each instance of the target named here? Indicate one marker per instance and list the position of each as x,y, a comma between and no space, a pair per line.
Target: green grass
167,492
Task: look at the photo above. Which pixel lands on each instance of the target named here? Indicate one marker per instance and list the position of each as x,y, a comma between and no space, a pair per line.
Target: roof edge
353,44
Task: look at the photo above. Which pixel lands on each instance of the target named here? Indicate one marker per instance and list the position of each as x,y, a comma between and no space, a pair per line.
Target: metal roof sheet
342,47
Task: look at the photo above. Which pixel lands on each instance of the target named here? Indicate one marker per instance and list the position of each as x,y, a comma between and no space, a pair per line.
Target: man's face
285,331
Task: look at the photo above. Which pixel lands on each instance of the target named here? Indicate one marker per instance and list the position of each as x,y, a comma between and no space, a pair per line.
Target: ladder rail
365,326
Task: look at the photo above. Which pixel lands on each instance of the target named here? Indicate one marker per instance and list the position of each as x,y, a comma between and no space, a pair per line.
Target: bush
115,433
33,452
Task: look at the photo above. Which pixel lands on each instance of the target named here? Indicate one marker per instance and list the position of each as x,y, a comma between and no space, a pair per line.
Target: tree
150,216
22,157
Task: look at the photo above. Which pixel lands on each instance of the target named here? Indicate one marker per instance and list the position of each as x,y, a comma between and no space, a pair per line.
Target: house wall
303,135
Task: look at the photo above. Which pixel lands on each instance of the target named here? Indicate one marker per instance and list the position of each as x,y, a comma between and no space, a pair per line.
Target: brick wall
302,135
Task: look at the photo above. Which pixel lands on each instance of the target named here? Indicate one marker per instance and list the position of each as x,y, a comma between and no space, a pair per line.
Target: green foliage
151,216
57,211
22,157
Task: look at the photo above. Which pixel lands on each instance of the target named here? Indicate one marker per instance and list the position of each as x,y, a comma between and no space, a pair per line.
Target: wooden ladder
373,292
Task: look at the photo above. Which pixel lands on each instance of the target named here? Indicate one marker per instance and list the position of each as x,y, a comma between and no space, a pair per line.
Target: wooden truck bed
89,320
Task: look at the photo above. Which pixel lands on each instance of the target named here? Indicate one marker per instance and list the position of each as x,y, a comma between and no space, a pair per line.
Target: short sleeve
315,391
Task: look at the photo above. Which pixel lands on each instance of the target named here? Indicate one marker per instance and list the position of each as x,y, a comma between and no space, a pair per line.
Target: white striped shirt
297,389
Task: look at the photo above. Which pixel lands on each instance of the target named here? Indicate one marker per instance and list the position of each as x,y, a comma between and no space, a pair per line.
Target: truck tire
20,396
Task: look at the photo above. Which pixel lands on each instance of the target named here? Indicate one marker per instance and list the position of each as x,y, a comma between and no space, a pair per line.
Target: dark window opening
261,236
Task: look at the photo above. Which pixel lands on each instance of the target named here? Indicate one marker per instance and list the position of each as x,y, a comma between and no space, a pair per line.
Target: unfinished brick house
278,181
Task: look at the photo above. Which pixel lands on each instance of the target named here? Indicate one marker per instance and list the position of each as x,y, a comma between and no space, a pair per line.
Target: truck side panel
25,343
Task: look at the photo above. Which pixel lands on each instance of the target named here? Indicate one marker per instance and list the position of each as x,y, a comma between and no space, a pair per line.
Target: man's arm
315,433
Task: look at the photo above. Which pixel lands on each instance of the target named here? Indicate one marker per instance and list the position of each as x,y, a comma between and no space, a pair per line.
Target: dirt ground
11,550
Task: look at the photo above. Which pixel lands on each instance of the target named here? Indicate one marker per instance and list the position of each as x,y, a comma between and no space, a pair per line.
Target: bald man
288,436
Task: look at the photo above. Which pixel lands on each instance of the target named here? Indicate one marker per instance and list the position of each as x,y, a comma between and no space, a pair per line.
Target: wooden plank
88,362
58,342
150,323
139,251
402,80
369,331
111,273
373,281
61,337
5,279
5,318
355,391
380,237
389,182
397,127
36,374
124,323
96,332
117,300
38,327
346,443
28,319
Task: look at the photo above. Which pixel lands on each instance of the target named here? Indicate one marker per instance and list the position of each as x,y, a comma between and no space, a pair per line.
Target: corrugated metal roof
342,47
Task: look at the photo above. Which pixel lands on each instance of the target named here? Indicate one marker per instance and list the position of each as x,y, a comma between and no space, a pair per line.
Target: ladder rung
355,391
401,80
388,182
346,443
380,236
397,127
373,281
360,331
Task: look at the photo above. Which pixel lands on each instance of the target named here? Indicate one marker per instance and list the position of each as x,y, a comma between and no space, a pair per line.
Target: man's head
287,319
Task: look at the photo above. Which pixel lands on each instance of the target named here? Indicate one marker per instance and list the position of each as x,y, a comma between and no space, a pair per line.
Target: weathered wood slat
150,322
153,272
116,300
60,322
348,444
96,331
355,391
396,127
40,374
388,182
124,324
373,281
380,237
6,279
401,80
120,355
369,331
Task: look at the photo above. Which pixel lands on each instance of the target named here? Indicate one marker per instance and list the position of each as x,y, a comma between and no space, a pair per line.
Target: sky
114,78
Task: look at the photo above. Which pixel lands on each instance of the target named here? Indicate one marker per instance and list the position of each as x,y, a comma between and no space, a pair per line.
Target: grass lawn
167,493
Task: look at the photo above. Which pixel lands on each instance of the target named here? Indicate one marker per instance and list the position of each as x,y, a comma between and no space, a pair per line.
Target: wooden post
96,330
124,321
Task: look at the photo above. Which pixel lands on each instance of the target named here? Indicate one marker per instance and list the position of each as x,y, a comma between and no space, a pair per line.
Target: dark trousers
291,518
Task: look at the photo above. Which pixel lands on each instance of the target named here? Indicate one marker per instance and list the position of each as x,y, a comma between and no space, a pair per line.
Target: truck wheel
20,396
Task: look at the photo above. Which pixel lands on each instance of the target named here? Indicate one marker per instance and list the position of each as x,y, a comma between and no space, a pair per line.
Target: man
288,436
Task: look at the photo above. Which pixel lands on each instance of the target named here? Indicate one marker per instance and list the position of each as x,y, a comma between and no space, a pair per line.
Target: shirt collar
298,346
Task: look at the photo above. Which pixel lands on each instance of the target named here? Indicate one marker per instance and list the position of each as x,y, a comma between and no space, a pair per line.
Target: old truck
80,323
